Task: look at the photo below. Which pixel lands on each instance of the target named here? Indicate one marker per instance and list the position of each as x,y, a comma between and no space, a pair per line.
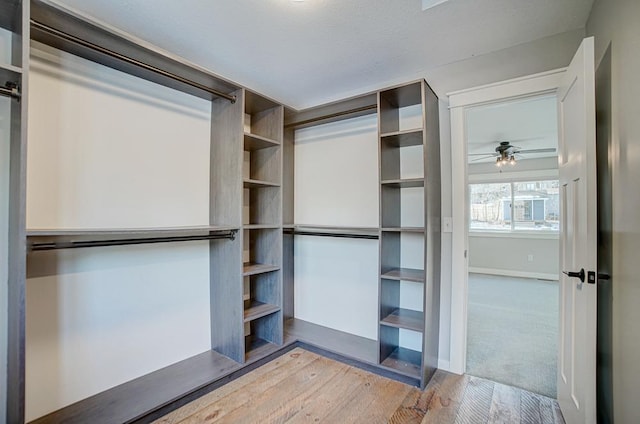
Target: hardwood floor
303,387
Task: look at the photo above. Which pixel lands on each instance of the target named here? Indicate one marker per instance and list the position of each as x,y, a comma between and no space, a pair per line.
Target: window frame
511,178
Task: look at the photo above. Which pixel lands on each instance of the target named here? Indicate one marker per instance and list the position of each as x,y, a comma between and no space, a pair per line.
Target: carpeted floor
512,331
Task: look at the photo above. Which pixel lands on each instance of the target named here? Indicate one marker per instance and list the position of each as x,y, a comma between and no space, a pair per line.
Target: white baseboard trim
512,273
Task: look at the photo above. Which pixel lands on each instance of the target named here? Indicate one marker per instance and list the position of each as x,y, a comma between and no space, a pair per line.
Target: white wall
514,255
616,22
110,150
336,184
336,174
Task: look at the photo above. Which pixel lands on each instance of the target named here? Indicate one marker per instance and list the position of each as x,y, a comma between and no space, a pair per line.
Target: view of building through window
515,206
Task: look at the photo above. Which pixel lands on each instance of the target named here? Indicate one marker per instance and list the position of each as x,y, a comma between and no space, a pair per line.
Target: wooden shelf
357,347
141,396
256,348
9,73
405,361
405,318
253,269
403,138
49,239
260,227
403,229
403,183
258,310
256,142
405,274
258,184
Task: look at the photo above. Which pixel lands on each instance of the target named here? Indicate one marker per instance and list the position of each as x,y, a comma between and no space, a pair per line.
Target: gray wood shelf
249,183
404,361
405,138
332,340
403,183
260,227
137,398
258,309
254,268
257,348
403,229
405,274
254,142
405,318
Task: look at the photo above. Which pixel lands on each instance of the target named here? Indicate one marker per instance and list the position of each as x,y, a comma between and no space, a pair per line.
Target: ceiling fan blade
548,150
482,158
482,154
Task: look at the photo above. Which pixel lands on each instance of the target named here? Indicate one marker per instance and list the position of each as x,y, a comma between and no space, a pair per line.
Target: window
514,206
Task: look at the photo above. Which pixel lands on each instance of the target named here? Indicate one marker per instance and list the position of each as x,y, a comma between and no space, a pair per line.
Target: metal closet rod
116,55
230,235
10,91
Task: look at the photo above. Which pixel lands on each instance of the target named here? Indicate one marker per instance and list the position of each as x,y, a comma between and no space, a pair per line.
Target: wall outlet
530,258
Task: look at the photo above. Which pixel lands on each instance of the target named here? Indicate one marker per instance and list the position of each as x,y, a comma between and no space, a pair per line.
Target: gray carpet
512,331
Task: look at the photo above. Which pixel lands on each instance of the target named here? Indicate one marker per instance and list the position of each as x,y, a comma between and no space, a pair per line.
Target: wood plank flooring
303,387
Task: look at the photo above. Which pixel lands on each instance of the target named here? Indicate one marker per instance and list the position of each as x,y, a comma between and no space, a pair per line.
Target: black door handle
580,274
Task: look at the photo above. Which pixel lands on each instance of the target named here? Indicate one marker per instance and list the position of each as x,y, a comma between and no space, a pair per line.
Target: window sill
544,235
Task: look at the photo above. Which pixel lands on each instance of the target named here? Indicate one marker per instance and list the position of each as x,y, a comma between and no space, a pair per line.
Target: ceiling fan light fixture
512,160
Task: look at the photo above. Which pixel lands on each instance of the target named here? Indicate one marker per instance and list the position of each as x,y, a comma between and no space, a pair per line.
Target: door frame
532,85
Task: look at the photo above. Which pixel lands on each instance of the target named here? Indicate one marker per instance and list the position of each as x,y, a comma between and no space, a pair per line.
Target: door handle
580,274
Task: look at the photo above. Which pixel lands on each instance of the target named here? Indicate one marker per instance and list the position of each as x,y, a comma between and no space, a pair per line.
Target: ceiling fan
506,153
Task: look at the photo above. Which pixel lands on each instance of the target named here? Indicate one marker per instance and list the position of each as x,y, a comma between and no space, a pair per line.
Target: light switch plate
447,224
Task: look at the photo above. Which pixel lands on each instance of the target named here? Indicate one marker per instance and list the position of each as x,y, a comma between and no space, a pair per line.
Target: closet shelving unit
234,347
247,192
387,353
251,226
395,319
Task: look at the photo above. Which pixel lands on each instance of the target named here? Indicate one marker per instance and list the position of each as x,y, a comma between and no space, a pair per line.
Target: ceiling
306,53
526,123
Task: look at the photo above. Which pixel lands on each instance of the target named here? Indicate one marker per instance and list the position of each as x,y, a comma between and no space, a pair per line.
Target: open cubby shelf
405,138
249,269
405,318
404,274
254,142
257,309
403,183
249,183
403,360
403,229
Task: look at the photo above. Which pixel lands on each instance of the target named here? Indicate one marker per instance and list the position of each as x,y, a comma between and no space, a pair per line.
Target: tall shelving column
14,23
400,233
246,180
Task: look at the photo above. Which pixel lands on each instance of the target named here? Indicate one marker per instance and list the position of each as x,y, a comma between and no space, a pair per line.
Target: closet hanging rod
57,245
329,234
332,116
10,91
116,55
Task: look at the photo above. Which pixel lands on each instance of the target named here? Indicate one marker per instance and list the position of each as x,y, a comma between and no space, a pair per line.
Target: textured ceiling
308,53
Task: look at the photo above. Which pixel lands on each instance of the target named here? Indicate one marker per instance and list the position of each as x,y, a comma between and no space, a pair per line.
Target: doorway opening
513,242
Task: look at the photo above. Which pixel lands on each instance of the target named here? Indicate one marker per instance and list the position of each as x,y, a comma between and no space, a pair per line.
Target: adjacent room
514,211
274,211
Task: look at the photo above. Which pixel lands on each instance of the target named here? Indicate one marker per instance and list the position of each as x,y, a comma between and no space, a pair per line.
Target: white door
578,249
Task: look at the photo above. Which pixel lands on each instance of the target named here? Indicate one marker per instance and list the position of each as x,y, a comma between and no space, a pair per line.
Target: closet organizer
251,230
